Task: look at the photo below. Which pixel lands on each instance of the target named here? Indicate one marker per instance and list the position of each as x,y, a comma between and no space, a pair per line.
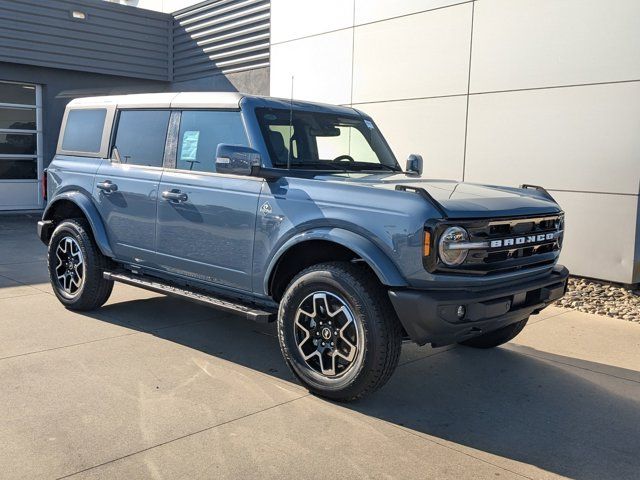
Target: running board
250,313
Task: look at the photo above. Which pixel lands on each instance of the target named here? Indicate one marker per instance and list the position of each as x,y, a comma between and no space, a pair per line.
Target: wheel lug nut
323,344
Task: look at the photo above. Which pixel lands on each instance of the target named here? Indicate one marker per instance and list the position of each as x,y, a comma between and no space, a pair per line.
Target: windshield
312,140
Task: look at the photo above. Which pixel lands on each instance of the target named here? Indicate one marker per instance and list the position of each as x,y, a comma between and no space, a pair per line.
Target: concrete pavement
154,387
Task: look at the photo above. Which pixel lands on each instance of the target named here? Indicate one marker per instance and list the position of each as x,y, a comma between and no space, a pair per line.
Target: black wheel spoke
70,268
326,334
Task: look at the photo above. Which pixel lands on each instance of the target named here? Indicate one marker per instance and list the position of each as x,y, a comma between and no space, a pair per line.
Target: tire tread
96,290
382,314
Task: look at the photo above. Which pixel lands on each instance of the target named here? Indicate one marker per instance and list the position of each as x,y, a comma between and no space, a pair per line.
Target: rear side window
83,131
141,136
201,132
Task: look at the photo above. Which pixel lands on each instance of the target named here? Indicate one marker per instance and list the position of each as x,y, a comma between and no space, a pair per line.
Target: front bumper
430,316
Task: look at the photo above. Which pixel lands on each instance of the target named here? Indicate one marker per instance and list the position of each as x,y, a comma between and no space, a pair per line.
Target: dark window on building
17,118
17,93
141,136
18,144
83,131
18,169
200,134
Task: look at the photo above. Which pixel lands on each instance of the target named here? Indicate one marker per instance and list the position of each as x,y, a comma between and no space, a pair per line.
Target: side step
250,313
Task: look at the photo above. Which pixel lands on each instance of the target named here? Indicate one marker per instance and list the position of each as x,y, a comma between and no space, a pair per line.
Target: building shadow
562,415
570,421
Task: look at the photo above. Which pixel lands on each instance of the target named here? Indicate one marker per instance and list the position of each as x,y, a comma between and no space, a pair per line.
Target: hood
467,200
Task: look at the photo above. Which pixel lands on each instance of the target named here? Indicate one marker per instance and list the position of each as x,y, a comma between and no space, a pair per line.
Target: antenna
290,126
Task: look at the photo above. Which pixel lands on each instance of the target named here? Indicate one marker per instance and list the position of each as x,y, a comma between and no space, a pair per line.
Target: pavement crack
184,436
409,362
425,439
567,364
67,346
547,318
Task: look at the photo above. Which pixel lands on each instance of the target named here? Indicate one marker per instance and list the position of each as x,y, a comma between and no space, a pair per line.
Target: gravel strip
602,298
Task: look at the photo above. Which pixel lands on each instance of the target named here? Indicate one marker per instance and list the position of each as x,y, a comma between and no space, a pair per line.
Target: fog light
461,312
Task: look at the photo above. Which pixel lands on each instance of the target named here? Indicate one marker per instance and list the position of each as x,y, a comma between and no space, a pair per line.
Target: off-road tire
95,290
496,337
369,303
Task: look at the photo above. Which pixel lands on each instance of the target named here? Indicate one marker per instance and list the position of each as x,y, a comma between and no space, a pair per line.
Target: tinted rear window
141,136
83,132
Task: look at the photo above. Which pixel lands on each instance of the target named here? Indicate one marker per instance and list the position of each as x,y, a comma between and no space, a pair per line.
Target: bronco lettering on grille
507,242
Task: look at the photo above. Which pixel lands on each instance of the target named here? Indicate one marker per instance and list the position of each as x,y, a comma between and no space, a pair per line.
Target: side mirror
414,164
237,159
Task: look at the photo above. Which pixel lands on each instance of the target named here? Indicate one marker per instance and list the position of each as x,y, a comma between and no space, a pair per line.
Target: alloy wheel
70,268
327,335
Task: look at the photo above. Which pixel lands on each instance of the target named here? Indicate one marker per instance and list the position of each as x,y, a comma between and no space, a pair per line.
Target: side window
200,133
141,136
280,137
83,131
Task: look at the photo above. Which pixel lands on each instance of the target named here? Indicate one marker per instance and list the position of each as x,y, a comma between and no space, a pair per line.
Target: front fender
380,263
84,203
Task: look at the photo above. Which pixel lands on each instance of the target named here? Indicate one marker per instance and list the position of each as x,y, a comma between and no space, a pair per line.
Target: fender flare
84,203
384,268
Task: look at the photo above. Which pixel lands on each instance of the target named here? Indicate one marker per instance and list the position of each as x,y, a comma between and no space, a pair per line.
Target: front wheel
496,337
338,331
76,267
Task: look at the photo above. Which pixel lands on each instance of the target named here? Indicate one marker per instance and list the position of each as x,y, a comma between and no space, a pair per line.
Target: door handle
107,186
175,196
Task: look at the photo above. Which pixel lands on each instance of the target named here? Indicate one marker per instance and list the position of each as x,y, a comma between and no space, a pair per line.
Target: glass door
20,146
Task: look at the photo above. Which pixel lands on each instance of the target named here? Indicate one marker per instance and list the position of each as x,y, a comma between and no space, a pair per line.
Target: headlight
449,246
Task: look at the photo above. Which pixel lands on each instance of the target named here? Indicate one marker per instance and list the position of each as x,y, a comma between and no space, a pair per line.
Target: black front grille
513,244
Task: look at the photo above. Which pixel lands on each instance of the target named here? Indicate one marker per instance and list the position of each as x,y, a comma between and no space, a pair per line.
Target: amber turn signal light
426,250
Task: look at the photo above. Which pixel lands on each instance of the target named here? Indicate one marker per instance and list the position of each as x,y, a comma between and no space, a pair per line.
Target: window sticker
369,124
189,148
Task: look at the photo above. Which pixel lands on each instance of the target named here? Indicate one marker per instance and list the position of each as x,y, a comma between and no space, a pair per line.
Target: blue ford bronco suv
298,213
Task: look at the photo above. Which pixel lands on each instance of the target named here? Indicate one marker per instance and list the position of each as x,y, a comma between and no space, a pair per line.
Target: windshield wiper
389,167
375,166
318,165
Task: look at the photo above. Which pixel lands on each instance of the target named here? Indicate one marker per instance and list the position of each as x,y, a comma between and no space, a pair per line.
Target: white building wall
499,91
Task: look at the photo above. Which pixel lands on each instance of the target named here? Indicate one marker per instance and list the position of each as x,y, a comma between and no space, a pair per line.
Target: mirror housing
237,159
414,164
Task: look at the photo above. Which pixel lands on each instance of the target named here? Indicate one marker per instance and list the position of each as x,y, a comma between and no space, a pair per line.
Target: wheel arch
72,204
320,245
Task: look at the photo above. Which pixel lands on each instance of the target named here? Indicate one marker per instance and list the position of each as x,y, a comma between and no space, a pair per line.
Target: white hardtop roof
163,100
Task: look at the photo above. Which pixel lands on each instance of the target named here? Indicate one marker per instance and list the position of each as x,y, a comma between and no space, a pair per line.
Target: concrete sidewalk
153,387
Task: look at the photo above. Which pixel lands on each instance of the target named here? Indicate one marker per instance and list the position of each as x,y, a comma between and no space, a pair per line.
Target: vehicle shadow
569,421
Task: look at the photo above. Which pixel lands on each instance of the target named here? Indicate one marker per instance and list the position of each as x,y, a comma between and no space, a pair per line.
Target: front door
126,187
206,220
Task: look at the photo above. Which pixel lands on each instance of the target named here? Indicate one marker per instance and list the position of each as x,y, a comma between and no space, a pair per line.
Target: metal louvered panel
112,39
220,36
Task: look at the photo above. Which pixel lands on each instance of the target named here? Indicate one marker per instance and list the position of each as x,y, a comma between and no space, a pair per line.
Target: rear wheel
497,337
76,267
338,332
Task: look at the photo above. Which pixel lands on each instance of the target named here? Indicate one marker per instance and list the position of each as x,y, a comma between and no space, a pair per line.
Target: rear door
126,186
206,220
